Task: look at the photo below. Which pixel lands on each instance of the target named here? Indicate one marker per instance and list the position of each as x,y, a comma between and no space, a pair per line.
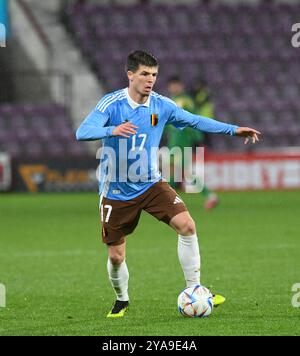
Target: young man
137,116
189,137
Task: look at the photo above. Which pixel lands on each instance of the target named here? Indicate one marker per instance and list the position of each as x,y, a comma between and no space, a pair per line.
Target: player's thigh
163,202
119,219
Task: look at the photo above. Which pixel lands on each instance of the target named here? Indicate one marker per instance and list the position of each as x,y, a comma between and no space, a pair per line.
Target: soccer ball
195,302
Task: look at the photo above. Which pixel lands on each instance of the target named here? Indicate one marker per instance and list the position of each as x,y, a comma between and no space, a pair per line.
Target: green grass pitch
53,265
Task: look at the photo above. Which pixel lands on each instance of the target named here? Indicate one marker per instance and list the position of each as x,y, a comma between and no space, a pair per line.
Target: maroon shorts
120,218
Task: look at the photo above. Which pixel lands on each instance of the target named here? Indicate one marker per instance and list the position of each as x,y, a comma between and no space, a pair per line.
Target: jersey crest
154,119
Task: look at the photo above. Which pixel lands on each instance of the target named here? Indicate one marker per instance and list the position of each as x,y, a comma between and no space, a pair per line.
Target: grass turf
54,267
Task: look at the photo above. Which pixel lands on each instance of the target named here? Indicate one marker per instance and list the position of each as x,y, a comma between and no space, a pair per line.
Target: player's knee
187,228
116,258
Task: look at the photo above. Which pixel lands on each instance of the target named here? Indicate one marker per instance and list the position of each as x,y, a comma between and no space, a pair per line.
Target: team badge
154,119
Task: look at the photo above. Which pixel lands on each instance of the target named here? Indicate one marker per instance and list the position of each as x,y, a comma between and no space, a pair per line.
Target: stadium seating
244,52
31,131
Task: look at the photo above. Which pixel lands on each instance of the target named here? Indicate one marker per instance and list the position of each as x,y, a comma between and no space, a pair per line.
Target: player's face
143,80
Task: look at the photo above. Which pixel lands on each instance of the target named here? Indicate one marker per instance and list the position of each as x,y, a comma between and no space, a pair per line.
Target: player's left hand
248,133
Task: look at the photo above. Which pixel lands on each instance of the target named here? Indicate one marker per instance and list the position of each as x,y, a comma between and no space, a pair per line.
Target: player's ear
130,75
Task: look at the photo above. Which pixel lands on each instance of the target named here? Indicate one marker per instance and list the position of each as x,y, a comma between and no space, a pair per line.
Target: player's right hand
125,130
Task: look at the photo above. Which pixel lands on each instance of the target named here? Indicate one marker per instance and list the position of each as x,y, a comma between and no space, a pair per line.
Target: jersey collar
132,103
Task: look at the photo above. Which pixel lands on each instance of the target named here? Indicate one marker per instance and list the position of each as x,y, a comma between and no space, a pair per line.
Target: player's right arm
125,130
93,128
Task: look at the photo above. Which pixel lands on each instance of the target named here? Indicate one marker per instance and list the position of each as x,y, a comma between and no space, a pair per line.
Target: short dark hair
137,58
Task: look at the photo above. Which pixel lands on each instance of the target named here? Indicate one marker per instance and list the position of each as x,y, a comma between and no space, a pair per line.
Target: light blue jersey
123,156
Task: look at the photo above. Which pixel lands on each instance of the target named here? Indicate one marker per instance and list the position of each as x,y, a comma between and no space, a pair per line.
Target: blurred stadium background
60,58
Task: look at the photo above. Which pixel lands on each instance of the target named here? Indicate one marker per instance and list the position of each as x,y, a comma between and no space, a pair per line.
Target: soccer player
189,137
137,115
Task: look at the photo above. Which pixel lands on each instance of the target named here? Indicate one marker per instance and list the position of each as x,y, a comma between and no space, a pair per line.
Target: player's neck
137,97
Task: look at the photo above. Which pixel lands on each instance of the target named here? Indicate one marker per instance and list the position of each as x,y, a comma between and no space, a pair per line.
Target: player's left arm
182,118
249,133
